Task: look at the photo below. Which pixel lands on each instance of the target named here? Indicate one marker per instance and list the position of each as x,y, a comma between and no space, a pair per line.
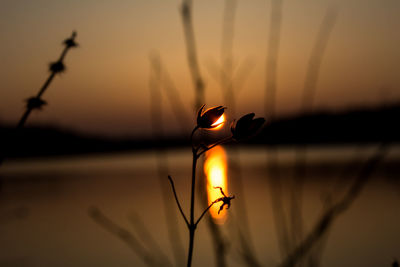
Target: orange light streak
215,168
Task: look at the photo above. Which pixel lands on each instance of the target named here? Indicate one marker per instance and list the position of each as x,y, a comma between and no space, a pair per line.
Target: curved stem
177,201
223,141
205,211
191,137
192,226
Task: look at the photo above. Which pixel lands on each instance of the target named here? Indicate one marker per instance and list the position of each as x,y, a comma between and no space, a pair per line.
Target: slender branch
192,226
331,214
124,235
53,73
177,201
191,138
191,52
223,141
155,85
205,211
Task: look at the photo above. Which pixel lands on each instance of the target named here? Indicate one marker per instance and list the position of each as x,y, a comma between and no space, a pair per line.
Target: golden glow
219,122
215,168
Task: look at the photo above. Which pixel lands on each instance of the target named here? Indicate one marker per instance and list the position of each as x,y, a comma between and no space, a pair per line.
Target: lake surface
45,204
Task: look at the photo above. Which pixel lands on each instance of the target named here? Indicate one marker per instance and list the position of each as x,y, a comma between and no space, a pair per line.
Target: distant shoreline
359,127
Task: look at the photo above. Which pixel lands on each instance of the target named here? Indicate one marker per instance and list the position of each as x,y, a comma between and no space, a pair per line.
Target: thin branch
124,235
165,82
327,219
177,201
315,60
223,141
205,211
308,99
54,72
191,52
147,239
191,138
272,58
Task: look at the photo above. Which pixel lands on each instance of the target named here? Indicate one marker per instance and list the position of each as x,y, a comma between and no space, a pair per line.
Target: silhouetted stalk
192,223
197,152
69,43
245,127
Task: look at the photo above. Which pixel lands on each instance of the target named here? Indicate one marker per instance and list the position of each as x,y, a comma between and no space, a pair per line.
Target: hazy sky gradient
105,88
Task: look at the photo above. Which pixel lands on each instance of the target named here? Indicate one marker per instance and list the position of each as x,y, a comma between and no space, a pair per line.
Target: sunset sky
105,89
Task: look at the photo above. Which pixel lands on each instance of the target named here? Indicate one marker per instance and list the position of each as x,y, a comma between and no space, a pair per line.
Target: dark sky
105,88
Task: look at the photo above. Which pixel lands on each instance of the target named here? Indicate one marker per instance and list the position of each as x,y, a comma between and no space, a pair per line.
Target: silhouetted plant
55,68
210,119
36,102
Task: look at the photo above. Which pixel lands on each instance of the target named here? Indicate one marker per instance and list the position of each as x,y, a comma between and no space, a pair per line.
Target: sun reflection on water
215,169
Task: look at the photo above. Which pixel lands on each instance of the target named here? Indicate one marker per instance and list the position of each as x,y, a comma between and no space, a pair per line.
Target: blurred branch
36,102
272,58
226,71
55,68
277,204
314,63
146,237
327,219
247,252
198,82
148,257
273,177
174,99
309,91
234,83
155,82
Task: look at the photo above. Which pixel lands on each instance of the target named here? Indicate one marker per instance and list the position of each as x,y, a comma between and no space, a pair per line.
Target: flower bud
208,118
246,126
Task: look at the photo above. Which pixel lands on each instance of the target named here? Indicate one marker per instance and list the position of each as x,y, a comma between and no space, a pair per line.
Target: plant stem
223,141
42,90
192,223
192,226
53,73
177,201
205,211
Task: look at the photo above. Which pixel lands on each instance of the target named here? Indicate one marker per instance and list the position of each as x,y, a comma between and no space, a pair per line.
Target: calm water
44,206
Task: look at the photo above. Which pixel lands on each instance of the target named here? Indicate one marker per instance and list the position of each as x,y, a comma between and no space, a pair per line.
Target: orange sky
105,89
